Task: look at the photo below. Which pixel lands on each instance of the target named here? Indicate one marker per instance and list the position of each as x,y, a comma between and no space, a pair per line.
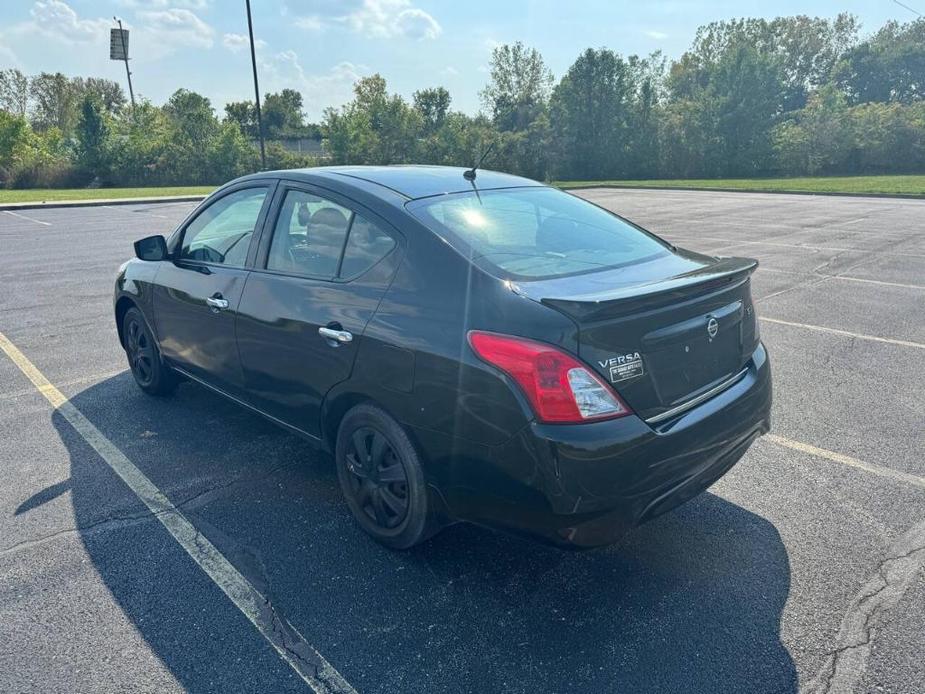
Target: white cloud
310,23
416,24
657,35
239,42
319,90
8,57
449,71
155,33
143,4
58,20
175,27
377,19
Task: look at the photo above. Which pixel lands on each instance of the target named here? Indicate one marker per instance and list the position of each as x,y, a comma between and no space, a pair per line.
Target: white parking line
842,277
895,475
834,331
308,663
846,663
683,239
28,219
880,282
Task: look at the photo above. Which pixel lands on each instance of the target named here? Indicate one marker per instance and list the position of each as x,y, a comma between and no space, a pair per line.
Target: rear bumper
587,485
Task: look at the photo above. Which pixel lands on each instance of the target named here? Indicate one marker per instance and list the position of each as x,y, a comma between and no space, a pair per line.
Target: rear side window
366,246
535,233
309,236
222,232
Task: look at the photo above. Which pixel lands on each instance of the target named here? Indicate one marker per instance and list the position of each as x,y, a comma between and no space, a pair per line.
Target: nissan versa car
470,345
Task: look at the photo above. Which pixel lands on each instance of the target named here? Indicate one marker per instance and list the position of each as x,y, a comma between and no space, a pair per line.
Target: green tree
746,88
805,48
93,139
15,137
141,157
14,92
282,114
890,66
107,93
29,159
244,113
518,88
888,138
191,131
433,104
817,139
591,113
459,141
55,102
375,128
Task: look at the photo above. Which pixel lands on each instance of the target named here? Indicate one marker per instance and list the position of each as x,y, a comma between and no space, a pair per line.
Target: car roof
412,181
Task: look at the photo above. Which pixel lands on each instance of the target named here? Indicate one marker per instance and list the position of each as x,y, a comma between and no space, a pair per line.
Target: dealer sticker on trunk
623,366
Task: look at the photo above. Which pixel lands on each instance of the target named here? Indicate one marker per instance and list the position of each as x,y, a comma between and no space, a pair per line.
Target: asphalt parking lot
802,569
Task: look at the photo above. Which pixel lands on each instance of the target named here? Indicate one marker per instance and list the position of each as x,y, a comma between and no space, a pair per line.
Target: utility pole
118,50
250,31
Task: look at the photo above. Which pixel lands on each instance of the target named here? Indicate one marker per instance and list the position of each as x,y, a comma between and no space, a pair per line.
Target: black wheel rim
378,481
140,352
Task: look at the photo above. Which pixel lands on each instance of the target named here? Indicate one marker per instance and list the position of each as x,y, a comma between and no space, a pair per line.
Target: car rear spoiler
635,297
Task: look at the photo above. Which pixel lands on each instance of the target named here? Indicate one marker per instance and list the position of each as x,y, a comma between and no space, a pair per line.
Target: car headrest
329,216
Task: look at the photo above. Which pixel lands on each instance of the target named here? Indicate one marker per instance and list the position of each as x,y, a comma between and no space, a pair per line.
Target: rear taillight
560,389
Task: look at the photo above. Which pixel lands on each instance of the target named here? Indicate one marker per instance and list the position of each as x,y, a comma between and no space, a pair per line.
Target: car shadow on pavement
689,602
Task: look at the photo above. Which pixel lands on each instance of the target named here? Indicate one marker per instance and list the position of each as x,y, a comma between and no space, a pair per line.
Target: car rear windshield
535,233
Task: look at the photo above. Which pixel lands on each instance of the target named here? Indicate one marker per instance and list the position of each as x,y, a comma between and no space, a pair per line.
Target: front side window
535,233
222,232
309,236
319,238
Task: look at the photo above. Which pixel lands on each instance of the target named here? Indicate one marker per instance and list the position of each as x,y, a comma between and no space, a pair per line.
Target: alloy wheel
140,352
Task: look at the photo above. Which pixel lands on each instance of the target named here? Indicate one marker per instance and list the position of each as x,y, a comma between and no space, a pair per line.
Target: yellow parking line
834,331
895,475
317,672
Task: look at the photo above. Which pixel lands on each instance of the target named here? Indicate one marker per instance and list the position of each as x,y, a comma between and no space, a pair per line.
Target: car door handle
336,335
217,303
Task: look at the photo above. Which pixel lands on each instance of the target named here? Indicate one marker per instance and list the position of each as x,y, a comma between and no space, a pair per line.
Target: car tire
150,372
382,479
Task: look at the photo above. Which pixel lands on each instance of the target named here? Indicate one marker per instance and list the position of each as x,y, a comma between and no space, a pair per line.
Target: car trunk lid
664,333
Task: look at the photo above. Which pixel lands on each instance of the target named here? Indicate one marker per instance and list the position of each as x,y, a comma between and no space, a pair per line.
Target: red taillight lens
559,387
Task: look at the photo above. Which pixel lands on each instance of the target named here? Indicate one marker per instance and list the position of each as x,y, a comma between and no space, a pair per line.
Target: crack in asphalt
817,276
845,665
121,521
114,521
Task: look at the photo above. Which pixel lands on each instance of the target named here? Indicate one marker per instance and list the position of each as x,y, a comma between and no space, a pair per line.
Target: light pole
250,31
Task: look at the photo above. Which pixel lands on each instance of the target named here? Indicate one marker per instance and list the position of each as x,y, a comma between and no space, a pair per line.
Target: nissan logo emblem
712,328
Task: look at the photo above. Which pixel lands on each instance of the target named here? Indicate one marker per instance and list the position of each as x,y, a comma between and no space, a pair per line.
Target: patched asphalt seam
846,664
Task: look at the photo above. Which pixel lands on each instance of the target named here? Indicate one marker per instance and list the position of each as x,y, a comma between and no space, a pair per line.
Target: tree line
750,97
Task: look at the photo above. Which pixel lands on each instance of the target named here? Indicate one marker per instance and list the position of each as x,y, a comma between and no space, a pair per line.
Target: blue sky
320,47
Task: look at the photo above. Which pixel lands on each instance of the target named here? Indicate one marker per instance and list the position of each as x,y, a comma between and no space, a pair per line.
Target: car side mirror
151,248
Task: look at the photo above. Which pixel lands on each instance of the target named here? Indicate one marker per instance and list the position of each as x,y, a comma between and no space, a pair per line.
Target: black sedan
469,345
